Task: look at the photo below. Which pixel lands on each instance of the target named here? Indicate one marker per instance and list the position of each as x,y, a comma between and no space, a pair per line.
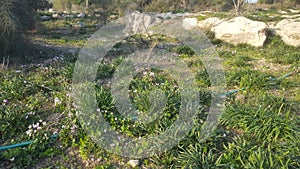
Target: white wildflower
152,74
12,159
36,125
57,101
28,132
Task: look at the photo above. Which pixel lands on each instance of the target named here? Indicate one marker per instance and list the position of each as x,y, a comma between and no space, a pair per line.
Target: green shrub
16,17
62,5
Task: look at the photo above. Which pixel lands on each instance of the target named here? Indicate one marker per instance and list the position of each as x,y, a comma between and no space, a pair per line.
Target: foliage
62,5
259,127
278,1
17,17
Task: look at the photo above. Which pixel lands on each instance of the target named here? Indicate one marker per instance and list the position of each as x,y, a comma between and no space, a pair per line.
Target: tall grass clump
16,17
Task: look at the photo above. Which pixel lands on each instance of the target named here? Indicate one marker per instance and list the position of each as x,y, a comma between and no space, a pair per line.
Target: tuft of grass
271,15
279,52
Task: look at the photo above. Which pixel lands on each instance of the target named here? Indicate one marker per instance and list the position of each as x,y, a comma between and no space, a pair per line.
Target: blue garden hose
27,143
271,79
23,144
282,77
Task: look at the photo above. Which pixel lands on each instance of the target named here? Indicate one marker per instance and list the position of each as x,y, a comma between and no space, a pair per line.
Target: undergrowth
258,129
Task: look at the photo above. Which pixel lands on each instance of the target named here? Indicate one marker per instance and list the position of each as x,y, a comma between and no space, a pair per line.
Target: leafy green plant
279,52
196,156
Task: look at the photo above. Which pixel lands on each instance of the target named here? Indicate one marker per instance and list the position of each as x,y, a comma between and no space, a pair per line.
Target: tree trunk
238,5
86,4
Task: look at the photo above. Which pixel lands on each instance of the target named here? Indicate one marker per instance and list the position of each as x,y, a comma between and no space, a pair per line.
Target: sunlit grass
259,127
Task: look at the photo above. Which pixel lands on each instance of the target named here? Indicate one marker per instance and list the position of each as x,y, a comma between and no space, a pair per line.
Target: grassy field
260,127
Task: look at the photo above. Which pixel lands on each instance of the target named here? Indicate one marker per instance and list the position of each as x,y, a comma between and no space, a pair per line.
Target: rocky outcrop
168,15
209,23
189,23
139,23
289,31
241,30
291,16
294,11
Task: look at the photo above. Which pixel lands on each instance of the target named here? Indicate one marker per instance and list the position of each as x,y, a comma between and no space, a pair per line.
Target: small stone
45,18
51,10
133,163
55,15
69,16
80,25
81,15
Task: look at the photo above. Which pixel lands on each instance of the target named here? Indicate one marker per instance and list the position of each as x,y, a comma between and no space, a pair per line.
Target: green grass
221,15
259,127
271,15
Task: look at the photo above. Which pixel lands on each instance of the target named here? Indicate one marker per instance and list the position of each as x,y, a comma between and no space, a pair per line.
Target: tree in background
62,5
104,7
238,4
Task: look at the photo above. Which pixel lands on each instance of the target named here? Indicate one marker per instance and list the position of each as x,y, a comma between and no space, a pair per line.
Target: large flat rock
241,30
209,22
289,31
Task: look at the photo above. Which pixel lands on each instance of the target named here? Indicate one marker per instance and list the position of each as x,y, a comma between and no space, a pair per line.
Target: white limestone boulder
289,31
139,23
189,23
168,15
294,11
241,30
209,23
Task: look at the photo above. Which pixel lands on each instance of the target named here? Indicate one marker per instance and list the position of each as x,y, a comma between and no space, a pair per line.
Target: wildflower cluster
34,128
4,102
